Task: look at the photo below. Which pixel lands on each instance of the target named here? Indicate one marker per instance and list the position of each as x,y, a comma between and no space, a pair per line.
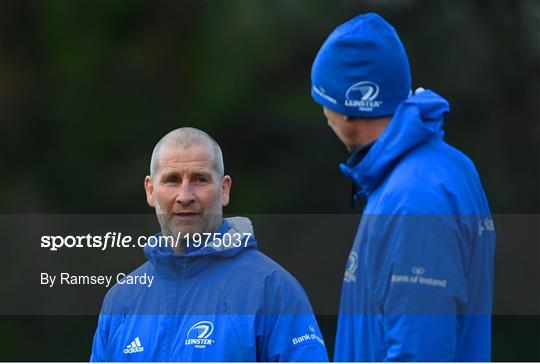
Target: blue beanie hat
362,69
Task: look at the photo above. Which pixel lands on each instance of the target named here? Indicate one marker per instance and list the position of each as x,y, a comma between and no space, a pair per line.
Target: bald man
214,296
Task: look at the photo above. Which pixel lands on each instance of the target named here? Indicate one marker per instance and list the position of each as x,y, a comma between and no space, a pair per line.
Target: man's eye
201,179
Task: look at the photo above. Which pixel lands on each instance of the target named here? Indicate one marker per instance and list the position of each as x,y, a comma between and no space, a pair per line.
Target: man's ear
225,190
149,188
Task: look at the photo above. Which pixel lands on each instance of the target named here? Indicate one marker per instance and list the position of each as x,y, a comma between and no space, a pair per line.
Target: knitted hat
362,69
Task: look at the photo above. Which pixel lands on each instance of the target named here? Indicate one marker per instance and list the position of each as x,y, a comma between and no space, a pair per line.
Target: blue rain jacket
418,283
214,303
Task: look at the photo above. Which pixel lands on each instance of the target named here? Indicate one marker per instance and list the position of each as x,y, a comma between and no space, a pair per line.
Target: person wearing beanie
418,283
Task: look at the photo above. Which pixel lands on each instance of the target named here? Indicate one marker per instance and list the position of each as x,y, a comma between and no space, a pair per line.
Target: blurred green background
88,87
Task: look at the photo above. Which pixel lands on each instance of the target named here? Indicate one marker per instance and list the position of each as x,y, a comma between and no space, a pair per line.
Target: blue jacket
419,279
209,304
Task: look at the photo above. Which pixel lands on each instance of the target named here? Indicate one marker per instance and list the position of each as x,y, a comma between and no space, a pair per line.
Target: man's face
186,191
341,127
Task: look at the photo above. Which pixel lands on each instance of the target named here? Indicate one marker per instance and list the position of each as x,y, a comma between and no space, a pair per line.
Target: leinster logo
363,95
352,264
199,334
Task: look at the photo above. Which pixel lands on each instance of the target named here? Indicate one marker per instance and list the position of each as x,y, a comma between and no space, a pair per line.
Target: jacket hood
165,259
416,120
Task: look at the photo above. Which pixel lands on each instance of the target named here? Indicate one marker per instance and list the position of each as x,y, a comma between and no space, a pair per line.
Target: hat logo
322,93
363,95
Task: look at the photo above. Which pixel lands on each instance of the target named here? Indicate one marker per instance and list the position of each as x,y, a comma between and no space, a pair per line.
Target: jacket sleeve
99,347
289,330
416,264
102,334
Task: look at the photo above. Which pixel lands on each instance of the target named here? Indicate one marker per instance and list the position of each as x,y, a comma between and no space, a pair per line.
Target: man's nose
185,194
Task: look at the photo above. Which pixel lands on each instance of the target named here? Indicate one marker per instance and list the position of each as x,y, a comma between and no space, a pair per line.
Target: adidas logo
134,347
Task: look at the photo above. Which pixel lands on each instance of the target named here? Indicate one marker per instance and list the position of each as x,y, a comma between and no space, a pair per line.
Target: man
212,299
419,279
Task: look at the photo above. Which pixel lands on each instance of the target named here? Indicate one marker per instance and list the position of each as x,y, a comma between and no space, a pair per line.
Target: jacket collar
416,120
166,260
